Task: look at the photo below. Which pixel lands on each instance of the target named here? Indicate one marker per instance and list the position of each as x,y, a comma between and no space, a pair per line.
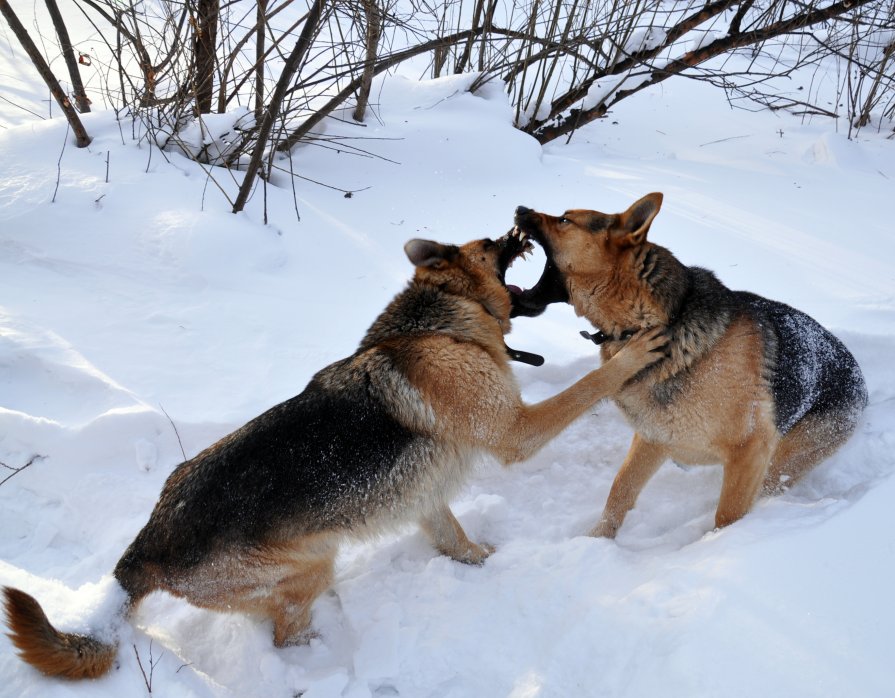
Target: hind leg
279,582
814,439
290,602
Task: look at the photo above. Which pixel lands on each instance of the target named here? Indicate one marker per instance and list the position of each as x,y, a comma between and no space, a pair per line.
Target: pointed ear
427,253
632,226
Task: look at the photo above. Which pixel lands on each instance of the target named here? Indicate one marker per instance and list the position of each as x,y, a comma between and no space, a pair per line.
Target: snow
703,39
645,39
138,305
209,139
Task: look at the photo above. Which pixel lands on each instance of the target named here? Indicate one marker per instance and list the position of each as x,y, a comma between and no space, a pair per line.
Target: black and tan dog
749,383
386,435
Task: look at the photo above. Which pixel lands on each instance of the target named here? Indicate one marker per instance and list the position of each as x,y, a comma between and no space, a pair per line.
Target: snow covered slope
132,305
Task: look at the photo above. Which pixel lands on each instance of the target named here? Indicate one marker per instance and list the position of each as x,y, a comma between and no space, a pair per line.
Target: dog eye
564,220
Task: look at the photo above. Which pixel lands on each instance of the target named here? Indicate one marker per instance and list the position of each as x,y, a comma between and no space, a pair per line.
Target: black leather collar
524,357
599,336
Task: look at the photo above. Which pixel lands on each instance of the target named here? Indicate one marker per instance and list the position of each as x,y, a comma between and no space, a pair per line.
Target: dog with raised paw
386,435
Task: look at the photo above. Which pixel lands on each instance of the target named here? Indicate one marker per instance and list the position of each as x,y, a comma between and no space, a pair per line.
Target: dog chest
699,410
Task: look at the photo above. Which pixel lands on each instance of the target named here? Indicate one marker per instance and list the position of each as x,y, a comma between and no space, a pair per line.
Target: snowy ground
138,296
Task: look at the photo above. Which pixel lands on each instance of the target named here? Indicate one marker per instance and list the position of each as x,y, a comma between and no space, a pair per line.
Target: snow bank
129,301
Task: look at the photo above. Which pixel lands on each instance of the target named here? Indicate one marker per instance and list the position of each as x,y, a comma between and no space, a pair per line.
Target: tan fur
478,405
449,538
799,451
67,655
724,410
725,417
469,385
448,385
278,581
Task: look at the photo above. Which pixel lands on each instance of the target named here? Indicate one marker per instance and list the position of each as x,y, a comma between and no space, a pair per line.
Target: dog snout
522,210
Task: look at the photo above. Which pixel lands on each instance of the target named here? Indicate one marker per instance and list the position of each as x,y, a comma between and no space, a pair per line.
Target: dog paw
294,634
303,637
475,554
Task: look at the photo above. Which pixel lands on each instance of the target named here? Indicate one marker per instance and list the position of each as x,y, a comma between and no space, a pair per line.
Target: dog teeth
520,234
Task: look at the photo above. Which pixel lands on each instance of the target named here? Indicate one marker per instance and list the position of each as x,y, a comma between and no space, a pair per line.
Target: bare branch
302,46
579,117
81,138
69,54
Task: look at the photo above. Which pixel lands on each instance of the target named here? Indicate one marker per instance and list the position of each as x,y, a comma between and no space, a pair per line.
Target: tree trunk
81,138
68,53
464,59
204,43
374,31
260,37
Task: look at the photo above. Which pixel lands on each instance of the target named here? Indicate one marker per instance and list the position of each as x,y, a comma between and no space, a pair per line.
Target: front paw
474,554
604,529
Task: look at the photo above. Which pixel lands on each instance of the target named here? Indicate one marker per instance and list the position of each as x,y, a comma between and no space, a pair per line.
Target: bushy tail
67,655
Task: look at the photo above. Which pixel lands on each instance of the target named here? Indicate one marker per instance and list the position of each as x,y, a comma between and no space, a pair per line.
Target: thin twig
294,192
723,140
348,192
152,665
146,679
17,470
59,164
177,433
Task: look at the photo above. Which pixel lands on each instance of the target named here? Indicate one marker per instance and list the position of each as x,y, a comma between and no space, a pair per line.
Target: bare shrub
278,68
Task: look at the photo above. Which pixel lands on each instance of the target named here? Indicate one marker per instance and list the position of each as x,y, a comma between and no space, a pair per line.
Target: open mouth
550,288
513,245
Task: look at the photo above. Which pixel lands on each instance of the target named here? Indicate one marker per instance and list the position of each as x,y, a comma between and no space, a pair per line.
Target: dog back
812,371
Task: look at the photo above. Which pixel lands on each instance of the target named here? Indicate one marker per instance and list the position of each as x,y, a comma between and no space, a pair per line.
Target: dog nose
522,210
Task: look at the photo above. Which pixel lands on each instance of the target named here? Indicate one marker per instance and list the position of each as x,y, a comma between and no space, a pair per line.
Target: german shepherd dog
749,383
389,434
